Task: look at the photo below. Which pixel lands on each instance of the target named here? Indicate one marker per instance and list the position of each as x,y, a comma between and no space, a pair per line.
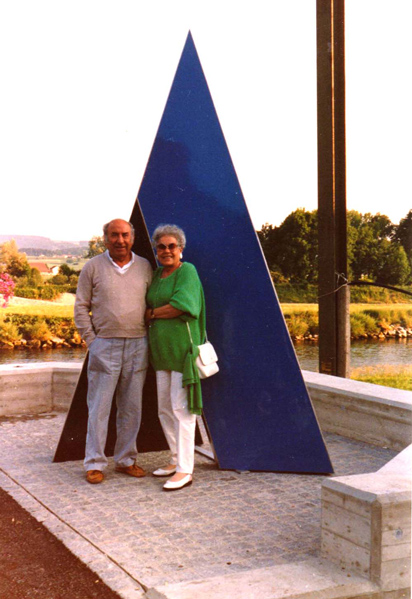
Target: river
363,353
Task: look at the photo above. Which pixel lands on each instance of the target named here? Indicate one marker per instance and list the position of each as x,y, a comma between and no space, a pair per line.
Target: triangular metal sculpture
257,407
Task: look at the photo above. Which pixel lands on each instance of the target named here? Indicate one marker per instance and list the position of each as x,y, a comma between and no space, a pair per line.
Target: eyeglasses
162,247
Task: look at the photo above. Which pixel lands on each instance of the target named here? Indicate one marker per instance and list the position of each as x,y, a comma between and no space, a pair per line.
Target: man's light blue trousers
115,365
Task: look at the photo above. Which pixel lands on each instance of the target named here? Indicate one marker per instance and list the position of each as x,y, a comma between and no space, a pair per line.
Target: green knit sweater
169,342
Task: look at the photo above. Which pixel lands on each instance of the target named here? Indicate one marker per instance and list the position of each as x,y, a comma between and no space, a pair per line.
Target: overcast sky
84,85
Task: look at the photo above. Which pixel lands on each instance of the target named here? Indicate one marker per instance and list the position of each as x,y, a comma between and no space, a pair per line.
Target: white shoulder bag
206,361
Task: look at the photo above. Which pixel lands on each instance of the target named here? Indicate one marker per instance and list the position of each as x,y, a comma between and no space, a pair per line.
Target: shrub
9,332
296,294
27,292
313,321
28,326
38,330
49,292
297,325
363,324
59,279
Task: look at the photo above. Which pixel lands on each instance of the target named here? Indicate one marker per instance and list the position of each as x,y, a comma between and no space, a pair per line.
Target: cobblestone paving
225,522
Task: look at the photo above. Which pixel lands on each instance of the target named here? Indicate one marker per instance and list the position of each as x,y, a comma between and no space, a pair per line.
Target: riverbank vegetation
38,324
398,377
374,321
53,324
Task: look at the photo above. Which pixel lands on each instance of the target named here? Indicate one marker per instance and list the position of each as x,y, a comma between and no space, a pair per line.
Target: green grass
45,310
298,308
384,309
398,377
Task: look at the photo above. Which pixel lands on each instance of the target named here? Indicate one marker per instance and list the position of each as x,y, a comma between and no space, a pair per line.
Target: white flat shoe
163,472
174,486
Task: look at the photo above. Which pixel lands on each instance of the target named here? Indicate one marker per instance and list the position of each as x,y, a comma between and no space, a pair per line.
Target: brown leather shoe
94,476
133,470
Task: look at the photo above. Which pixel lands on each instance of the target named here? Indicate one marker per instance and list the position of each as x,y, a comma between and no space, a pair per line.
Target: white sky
84,84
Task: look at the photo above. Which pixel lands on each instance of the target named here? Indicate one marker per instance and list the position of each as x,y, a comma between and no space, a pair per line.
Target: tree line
378,250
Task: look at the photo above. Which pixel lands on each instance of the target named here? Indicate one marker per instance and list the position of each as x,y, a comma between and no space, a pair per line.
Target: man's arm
82,306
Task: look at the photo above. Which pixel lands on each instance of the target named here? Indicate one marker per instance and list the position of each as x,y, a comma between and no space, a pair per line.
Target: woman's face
168,251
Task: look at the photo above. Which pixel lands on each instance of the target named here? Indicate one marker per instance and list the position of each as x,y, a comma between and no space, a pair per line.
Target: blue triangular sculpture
257,408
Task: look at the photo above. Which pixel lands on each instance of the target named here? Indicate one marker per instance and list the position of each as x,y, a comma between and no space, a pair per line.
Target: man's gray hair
107,225
170,231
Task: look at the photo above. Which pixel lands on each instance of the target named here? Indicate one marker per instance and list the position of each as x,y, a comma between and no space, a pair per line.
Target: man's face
119,241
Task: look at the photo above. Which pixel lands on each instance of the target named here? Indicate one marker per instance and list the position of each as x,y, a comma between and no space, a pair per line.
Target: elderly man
109,314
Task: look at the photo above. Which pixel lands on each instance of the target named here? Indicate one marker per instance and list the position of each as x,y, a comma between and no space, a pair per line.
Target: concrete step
308,579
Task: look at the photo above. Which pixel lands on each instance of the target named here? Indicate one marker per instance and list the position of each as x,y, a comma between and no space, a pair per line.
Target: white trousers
177,422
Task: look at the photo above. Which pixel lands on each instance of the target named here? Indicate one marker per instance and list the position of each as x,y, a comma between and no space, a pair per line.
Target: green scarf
192,382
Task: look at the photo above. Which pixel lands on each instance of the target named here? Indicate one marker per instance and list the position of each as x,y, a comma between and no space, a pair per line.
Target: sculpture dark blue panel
257,407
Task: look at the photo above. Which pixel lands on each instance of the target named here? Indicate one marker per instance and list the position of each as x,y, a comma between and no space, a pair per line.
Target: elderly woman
176,303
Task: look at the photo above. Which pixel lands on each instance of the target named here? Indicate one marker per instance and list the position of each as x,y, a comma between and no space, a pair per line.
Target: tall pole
334,332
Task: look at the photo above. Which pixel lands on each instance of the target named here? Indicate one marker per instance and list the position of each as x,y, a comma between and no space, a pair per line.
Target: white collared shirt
121,269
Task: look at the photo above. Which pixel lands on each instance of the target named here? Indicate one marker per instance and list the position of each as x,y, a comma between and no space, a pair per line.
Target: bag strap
190,334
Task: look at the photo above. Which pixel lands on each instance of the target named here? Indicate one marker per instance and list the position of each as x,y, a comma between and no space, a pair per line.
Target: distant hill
35,242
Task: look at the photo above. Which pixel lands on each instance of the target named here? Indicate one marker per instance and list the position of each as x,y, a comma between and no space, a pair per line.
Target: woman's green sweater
169,342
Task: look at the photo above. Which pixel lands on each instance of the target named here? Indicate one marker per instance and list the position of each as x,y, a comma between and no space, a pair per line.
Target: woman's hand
164,312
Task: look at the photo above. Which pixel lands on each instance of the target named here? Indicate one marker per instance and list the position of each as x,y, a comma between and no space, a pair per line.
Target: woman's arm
166,311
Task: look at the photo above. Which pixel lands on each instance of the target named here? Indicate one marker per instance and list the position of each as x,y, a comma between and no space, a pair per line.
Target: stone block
356,529
395,574
366,524
339,498
345,554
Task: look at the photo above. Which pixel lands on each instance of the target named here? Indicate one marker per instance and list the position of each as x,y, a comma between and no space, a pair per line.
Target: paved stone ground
225,522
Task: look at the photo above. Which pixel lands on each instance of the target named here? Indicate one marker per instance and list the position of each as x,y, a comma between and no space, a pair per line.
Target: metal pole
334,335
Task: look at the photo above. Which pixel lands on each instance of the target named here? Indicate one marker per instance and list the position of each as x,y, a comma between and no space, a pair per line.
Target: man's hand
148,316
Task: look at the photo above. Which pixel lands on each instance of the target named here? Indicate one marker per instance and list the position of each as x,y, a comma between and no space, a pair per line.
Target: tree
378,250
96,247
64,269
403,234
292,248
33,279
16,264
371,249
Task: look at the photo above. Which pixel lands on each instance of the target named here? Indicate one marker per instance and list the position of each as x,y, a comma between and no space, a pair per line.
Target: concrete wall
371,413
37,388
366,524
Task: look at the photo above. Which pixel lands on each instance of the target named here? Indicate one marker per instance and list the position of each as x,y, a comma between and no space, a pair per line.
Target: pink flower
7,286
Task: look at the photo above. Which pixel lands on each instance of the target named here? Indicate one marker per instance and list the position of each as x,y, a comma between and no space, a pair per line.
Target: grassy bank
38,324
367,320
398,377
21,321
40,309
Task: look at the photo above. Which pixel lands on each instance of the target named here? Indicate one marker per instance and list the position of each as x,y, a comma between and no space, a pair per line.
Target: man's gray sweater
109,303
